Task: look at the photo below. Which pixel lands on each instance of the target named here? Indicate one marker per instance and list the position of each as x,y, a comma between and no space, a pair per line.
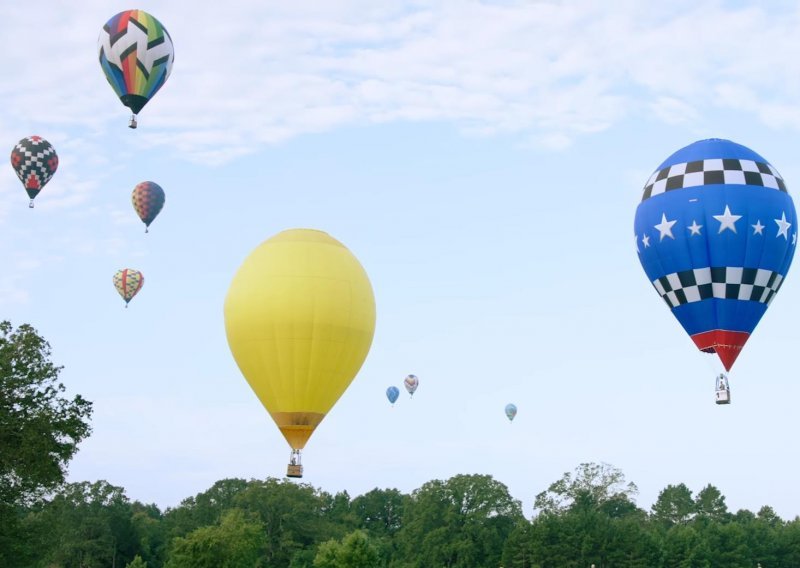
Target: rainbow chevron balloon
136,55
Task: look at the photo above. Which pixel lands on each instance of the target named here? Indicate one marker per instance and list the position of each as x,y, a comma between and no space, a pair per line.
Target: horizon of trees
588,517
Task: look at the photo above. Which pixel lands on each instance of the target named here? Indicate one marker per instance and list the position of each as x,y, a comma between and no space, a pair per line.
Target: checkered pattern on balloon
35,161
716,232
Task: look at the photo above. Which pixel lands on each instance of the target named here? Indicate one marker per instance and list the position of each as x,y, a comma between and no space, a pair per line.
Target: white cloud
671,110
258,73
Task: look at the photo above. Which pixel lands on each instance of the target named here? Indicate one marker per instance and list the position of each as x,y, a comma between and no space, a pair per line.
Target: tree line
588,517
466,521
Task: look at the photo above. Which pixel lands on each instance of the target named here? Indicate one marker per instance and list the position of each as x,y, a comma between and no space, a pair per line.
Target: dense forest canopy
464,521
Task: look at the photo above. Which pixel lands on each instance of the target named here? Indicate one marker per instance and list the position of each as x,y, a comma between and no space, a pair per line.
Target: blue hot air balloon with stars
716,231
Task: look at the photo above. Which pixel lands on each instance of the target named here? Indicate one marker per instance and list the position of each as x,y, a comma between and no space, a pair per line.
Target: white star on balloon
665,227
727,220
758,228
783,227
646,241
694,228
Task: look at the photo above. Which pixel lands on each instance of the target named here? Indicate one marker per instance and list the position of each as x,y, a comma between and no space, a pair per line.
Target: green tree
728,541
517,551
40,430
237,541
768,515
337,510
674,506
137,562
589,517
205,508
589,533
762,535
149,529
292,516
461,523
380,511
682,547
602,482
789,543
354,551
87,525
710,504
327,555
630,544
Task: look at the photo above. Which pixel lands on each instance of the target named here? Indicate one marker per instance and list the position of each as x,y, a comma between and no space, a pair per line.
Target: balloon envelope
716,232
392,393
128,282
148,200
35,161
299,318
411,382
511,411
136,55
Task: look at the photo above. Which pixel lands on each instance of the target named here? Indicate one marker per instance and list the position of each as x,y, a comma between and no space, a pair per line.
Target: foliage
87,524
380,511
674,506
710,503
461,522
237,541
464,521
40,429
354,551
292,515
137,562
205,508
598,482
150,532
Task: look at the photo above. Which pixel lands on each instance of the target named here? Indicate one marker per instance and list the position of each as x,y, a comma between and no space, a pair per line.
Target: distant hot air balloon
148,199
392,393
35,161
716,232
136,54
299,318
511,411
128,282
411,383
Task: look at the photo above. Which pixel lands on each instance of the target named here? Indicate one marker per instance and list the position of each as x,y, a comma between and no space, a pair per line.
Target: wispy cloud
256,73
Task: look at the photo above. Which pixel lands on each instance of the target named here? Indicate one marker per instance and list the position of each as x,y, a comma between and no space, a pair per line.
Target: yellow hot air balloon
300,317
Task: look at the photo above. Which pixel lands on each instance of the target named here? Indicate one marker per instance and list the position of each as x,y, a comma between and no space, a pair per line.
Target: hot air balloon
716,232
128,282
392,393
35,161
411,383
136,55
511,411
299,318
148,199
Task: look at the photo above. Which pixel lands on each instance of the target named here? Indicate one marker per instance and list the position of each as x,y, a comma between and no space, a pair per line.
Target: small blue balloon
392,393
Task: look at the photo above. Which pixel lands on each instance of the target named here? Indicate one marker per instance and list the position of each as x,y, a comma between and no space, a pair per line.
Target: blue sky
482,160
